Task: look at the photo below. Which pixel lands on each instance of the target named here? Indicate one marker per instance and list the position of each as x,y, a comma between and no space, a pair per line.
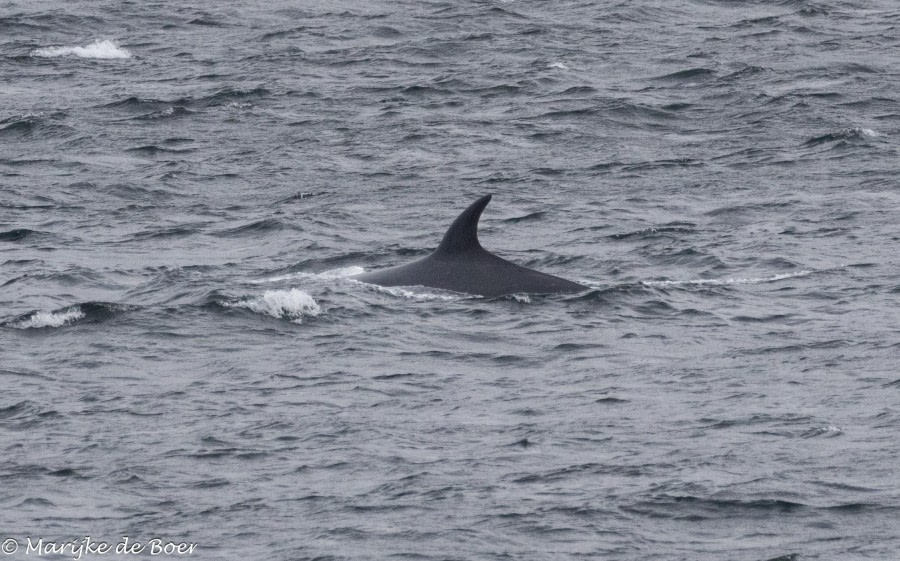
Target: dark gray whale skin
460,264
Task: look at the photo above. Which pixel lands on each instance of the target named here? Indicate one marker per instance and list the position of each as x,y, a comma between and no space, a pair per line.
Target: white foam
342,273
872,133
30,116
523,298
38,320
828,432
717,282
412,293
559,65
98,49
293,304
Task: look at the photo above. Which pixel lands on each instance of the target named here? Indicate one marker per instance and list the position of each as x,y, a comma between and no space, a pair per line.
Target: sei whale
460,264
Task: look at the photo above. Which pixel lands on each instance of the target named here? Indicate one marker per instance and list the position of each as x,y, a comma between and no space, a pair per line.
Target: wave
689,74
27,415
16,235
164,233
99,49
88,311
153,150
854,133
665,506
206,22
36,124
22,124
260,226
167,113
188,105
672,230
135,102
829,431
227,96
539,215
721,282
292,304
575,90
40,319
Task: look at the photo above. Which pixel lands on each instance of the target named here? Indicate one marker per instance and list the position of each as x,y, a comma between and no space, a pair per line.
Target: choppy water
184,189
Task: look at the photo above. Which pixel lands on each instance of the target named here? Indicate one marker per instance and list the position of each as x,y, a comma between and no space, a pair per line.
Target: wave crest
40,319
100,49
292,304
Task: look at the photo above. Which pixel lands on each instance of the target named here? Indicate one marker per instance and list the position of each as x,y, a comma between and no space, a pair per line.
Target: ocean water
187,188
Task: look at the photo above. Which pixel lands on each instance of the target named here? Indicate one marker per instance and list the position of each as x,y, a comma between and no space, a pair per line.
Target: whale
460,264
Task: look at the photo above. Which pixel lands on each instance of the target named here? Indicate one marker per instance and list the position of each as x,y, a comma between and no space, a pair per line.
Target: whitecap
292,304
98,49
719,282
558,65
38,320
828,432
32,116
857,132
872,133
167,112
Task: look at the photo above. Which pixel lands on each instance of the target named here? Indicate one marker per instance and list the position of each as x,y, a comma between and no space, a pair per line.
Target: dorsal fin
463,233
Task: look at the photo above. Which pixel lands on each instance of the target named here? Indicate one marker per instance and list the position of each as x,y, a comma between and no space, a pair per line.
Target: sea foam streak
352,271
38,320
293,304
342,273
413,294
98,49
716,282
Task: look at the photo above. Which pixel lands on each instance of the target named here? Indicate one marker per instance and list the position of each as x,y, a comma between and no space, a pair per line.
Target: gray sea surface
186,189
